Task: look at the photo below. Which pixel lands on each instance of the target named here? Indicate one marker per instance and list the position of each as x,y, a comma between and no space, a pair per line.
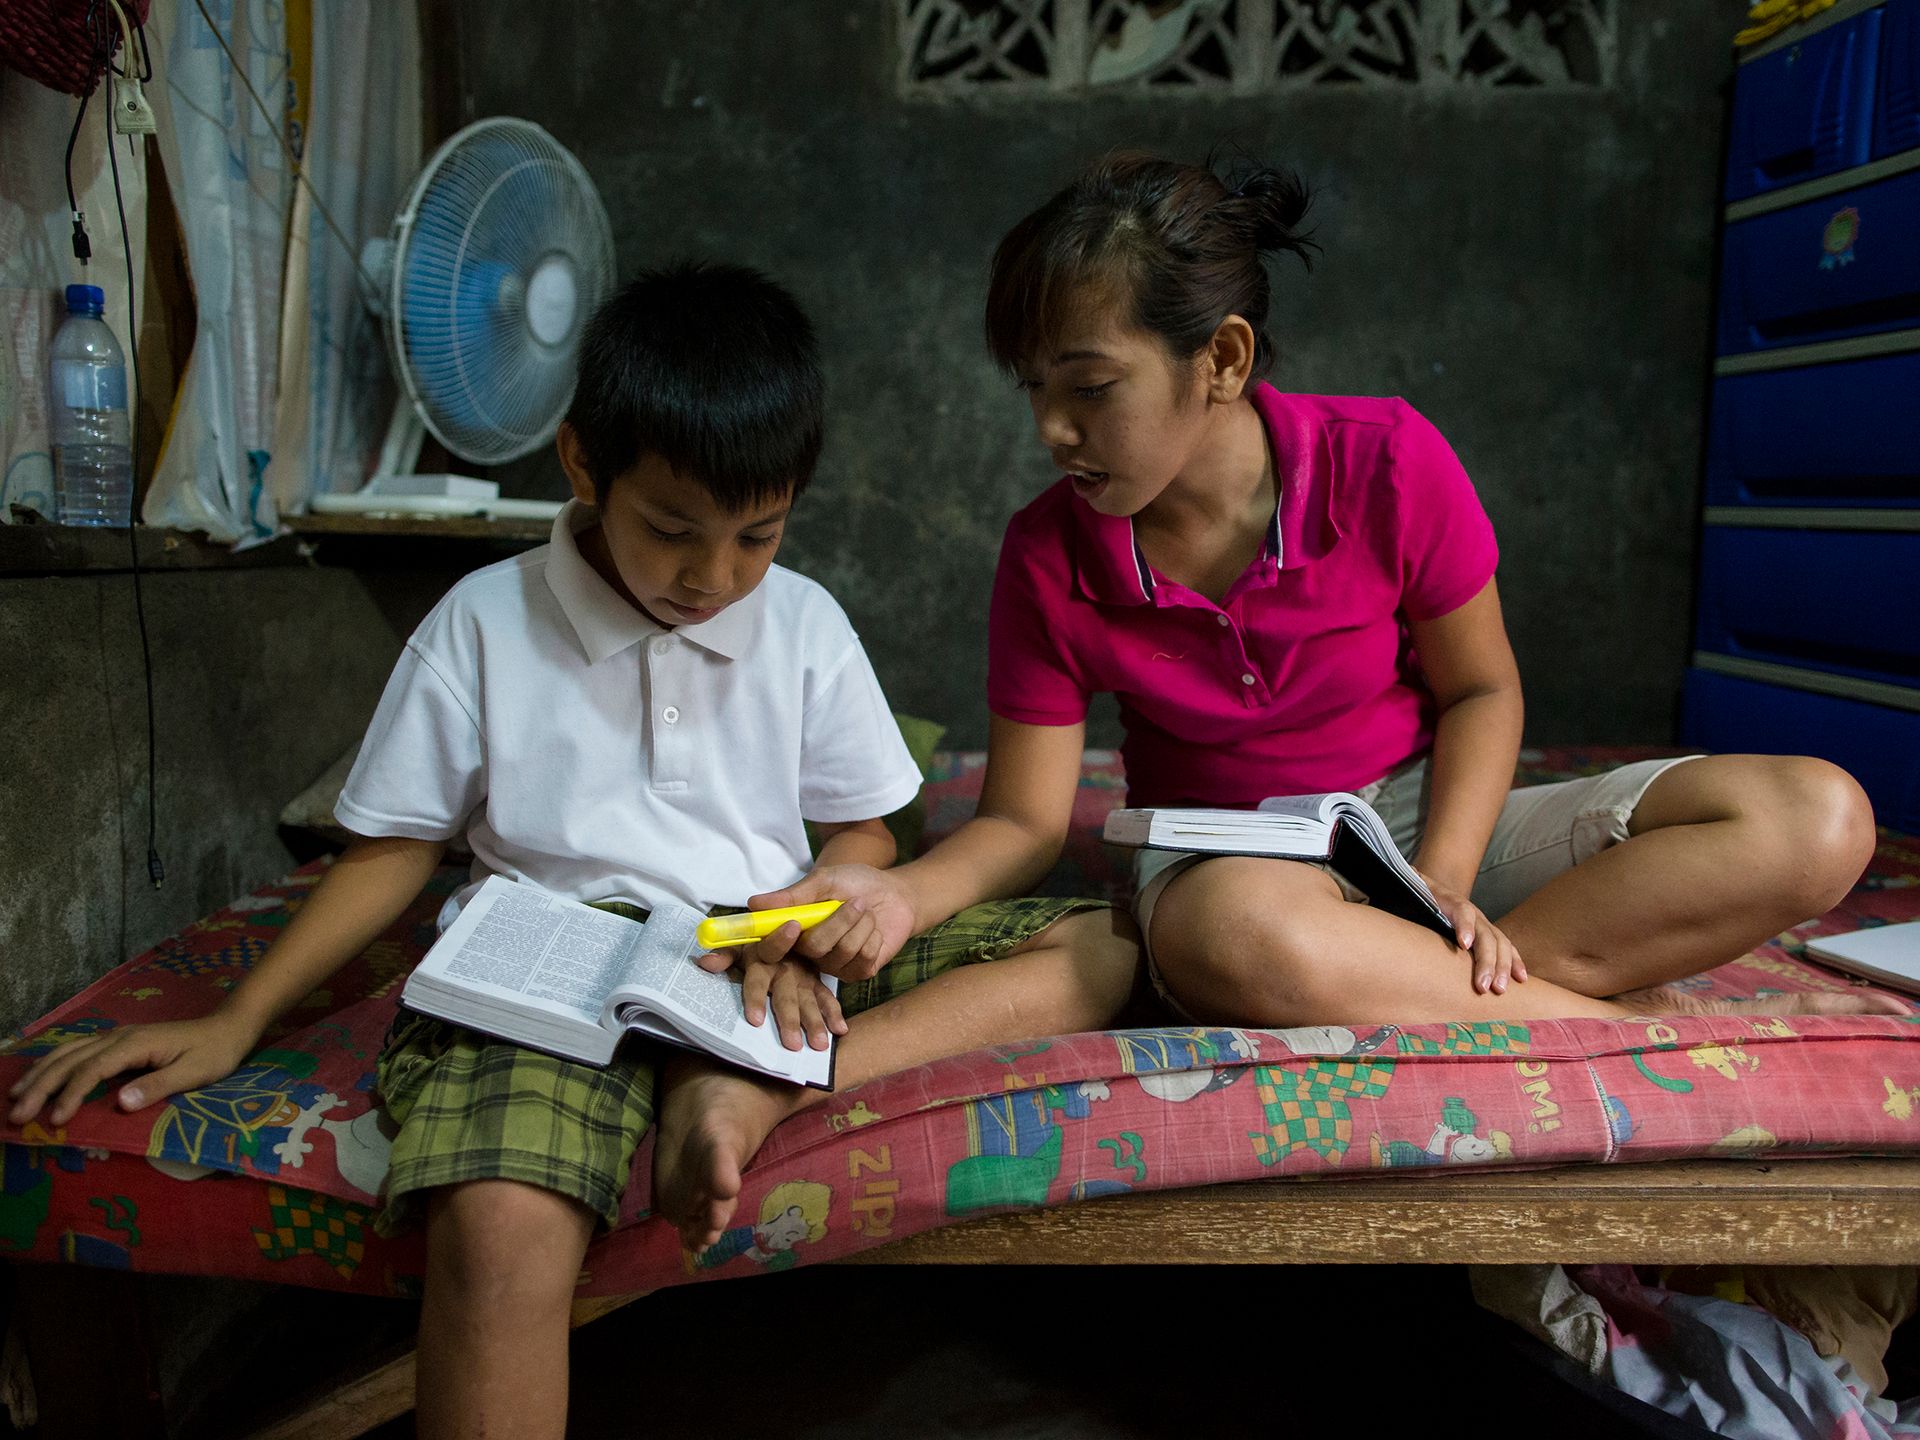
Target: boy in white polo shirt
646,709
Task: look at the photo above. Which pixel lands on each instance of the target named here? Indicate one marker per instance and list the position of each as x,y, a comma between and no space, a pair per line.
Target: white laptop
1887,955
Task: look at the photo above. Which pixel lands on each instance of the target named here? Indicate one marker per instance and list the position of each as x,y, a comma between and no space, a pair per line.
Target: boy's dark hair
714,369
1175,246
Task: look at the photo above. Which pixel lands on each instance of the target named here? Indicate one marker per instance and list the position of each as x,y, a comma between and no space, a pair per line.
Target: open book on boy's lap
1339,829
555,975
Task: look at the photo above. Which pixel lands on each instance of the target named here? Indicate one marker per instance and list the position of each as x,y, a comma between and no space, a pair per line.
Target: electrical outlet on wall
132,115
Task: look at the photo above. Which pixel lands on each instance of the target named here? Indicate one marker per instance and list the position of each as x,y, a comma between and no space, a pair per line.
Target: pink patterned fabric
272,1174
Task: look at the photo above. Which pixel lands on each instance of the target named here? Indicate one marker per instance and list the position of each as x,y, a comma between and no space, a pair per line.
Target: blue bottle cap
86,299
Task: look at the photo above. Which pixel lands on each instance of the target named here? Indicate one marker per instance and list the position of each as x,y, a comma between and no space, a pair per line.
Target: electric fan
493,266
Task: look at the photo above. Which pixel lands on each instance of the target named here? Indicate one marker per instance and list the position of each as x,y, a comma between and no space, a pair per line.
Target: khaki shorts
1543,831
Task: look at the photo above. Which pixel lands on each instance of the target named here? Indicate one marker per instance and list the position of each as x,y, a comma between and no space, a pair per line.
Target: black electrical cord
156,872
82,247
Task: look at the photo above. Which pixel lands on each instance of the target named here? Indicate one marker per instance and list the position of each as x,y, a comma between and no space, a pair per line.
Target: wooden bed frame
1687,1212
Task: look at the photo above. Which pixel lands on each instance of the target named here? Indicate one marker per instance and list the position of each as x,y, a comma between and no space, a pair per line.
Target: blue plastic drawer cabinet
1845,434
1843,601
1805,110
1897,125
1845,264
1878,744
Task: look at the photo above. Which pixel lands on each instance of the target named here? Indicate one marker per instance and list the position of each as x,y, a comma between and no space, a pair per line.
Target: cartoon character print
304,1222
1902,1103
25,1192
1333,1041
1620,1124
1455,1141
1478,1037
117,1213
54,1036
257,1118
1747,1140
1014,1145
853,1117
1305,1107
1177,1065
1728,1061
792,1214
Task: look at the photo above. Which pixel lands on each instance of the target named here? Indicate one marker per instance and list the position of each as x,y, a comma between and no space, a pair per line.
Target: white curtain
286,392
336,386
232,187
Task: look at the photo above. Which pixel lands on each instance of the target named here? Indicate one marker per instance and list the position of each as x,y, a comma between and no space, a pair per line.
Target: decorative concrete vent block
1249,47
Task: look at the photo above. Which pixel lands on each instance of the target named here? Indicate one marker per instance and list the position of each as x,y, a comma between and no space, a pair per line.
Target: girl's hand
177,1054
804,1010
1495,961
864,933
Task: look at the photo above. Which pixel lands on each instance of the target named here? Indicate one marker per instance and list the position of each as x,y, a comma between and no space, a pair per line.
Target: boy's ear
1230,355
573,460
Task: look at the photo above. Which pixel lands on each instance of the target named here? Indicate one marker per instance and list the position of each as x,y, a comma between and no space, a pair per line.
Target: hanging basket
56,41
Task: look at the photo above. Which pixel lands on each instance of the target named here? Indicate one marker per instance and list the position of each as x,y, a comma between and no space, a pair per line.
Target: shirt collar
1108,558
606,623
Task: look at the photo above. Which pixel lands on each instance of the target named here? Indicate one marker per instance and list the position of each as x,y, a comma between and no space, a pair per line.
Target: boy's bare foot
712,1120
1671,1000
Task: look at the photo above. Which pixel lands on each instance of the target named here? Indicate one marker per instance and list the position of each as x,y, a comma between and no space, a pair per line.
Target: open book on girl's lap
1339,829
555,975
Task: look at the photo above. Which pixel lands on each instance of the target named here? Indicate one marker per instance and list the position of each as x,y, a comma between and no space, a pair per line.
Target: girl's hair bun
1271,204
1178,247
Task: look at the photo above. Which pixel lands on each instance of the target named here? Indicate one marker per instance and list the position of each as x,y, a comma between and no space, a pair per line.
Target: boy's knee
1102,946
506,1239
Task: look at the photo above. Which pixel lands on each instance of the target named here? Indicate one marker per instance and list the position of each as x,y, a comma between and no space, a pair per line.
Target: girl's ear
1230,360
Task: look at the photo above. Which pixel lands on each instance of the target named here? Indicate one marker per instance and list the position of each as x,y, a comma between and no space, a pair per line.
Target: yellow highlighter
718,932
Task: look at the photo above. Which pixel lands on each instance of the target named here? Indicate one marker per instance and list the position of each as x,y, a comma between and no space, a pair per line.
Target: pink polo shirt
1304,679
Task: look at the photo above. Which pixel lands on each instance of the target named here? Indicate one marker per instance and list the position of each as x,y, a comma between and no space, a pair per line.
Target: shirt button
671,714
1221,620
663,645
1246,679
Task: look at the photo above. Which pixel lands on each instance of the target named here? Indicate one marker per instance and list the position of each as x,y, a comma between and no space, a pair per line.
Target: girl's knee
1277,973
1834,819
1819,823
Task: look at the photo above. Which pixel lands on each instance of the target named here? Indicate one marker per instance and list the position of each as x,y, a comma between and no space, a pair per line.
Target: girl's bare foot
1671,1000
712,1120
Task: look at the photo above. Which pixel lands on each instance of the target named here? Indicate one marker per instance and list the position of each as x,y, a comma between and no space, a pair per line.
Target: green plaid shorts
469,1107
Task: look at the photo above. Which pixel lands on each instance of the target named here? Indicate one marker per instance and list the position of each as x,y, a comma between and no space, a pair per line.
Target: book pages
531,945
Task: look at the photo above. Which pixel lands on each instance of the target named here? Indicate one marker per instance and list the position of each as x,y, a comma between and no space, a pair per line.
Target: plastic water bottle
92,464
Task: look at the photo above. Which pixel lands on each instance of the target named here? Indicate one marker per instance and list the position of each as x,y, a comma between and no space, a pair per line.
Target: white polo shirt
587,750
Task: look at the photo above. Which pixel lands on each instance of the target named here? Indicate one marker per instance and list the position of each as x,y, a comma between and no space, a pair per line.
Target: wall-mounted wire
131,30
82,246
156,872
102,17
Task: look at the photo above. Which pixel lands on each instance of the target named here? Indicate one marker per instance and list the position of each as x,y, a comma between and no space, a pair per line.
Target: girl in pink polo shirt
1295,593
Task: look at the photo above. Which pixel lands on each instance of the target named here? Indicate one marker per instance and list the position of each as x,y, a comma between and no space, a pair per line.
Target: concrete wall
1529,267
261,678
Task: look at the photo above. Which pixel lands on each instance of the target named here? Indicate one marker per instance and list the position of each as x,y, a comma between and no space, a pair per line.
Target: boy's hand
875,919
804,1010
1494,958
178,1054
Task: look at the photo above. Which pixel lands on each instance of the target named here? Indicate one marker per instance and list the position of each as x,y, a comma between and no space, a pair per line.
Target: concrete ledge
36,547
